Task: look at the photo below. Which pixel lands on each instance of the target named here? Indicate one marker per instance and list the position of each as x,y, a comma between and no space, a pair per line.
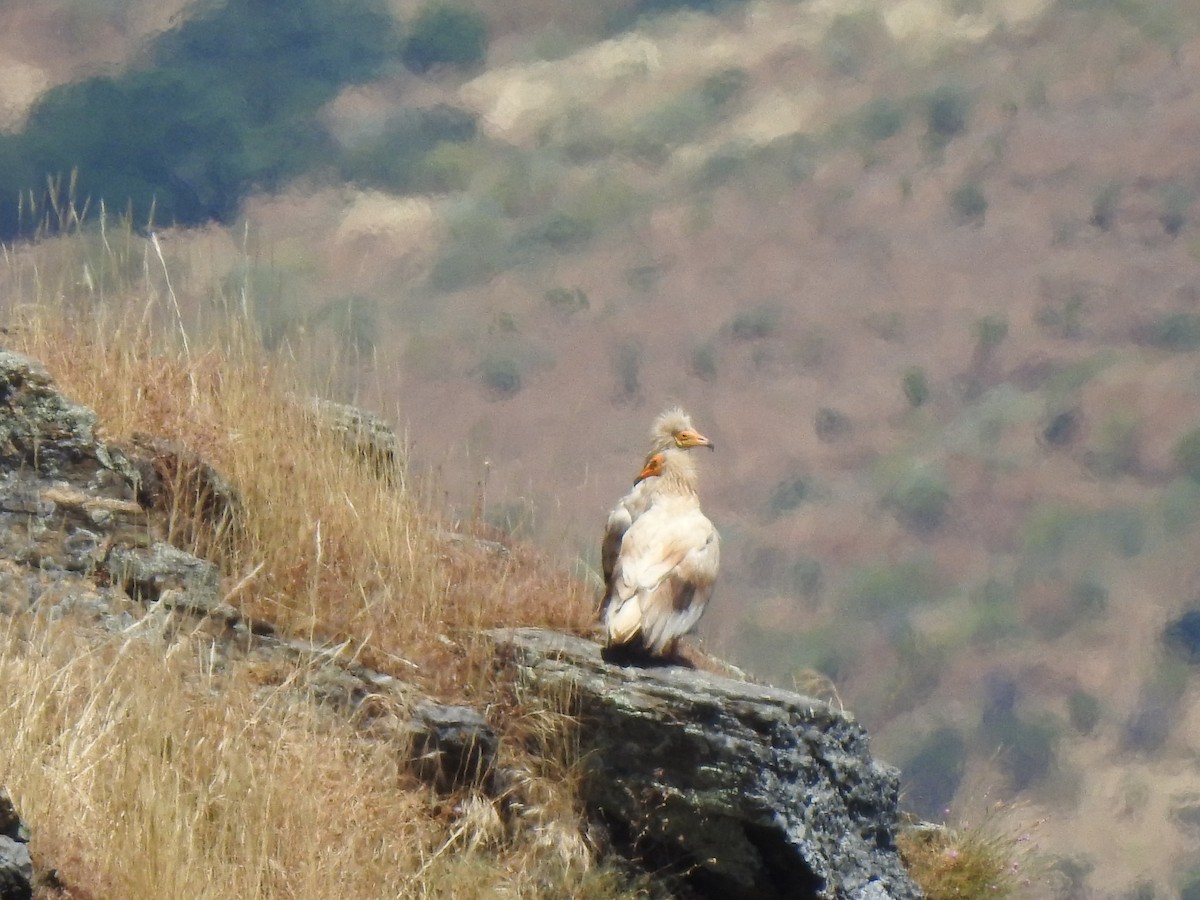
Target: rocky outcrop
364,434
41,430
751,791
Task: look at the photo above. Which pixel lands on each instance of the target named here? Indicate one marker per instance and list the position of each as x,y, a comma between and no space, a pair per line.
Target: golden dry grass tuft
981,860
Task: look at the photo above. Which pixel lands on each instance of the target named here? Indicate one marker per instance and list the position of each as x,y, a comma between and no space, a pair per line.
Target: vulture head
674,428
654,467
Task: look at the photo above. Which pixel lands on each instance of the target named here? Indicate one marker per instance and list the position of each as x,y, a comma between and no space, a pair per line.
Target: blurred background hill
926,271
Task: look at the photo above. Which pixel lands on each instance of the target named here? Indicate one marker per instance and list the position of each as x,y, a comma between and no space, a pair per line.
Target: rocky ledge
750,791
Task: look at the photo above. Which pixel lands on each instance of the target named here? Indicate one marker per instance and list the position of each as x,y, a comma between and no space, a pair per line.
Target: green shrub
1181,501
476,249
1074,871
1063,303
1083,710
1089,597
417,149
645,278
567,301
1182,636
1155,712
1047,533
947,111
603,202
563,230
787,495
992,614
500,375
1026,750
445,34
723,87
1062,428
921,497
1083,601
582,137
353,319
708,6
920,662
887,325
1116,444
805,576
852,40
990,332
224,104
1177,202
449,166
627,370
1104,206
930,776
880,591
721,166
755,324
515,518
704,362
916,386
1125,529
831,424
880,119
460,266
677,121
1175,331
968,203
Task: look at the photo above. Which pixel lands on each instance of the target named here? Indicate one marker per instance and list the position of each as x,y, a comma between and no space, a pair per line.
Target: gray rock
363,433
41,429
179,483
146,573
748,790
453,746
16,865
16,870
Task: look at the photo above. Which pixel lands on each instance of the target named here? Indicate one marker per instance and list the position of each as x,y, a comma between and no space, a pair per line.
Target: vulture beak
687,439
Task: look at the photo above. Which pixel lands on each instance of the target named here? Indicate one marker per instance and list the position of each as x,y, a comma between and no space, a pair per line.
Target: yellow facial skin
688,439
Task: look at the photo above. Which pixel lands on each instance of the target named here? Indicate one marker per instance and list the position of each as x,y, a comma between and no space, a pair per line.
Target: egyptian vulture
667,561
672,431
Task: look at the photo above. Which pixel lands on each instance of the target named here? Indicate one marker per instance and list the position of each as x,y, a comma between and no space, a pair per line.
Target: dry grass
146,770
146,773
326,547
985,859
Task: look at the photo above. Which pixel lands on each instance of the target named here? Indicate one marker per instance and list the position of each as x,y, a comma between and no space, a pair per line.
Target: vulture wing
630,507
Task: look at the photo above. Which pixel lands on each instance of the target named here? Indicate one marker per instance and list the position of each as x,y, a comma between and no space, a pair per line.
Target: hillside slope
926,272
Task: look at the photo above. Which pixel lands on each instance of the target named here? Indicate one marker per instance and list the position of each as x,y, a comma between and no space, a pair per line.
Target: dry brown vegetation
981,860
146,769
929,279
